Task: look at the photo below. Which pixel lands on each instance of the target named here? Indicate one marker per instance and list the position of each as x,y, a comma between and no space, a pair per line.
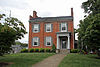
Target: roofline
50,19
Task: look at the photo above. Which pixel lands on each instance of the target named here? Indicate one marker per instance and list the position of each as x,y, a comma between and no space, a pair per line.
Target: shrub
31,50
36,50
24,50
47,49
41,49
53,48
74,51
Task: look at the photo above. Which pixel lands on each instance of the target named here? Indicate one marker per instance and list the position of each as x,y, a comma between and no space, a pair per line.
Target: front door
63,43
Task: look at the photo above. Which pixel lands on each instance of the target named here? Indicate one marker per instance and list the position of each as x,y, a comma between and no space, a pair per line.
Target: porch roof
63,32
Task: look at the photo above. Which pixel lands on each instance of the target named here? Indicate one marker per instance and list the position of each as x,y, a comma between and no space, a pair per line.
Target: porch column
68,42
57,42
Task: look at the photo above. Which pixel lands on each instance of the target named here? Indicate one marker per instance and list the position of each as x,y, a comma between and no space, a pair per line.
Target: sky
21,9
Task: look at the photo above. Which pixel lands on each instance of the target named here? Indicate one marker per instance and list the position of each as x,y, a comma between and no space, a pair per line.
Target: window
63,27
35,41
36,28
48,27
48,41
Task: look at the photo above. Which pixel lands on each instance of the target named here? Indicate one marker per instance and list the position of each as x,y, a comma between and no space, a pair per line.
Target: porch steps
64,51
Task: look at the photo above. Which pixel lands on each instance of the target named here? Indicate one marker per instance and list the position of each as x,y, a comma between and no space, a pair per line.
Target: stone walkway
52,61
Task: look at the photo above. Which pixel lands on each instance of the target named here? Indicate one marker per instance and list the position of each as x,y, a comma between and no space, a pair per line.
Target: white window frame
36,27
36,39
48,25
48,40
65,24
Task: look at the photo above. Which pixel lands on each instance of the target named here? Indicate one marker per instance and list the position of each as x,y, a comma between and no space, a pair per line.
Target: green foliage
41,49
36,50
74,51
88,33
24,50
80,60
89,28
31,50
24,59
47,49
91,6
11,29
53,48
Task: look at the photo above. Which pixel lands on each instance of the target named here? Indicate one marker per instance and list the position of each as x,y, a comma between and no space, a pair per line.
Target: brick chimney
72,12
35,14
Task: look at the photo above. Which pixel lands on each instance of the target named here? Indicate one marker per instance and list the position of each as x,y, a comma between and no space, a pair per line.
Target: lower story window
35,41
48,41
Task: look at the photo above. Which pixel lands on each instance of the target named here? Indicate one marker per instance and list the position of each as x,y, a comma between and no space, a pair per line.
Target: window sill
35,32
48,31
48,45
35,45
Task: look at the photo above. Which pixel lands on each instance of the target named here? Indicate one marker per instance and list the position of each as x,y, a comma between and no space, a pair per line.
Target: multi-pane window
35,41
63,27
48,27
48,41
36,28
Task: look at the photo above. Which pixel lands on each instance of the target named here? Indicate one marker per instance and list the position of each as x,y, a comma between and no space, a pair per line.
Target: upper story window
48,41
63,27
35,41
48,27
36,28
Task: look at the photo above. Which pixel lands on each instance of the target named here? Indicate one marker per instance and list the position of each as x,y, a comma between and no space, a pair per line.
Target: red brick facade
42,34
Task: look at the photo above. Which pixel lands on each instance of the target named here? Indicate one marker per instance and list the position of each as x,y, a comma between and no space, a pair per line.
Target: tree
91,6
89,28
11,29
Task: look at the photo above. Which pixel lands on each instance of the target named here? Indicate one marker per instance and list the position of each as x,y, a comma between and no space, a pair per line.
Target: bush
53,48
36,50
41,49
31,50
74,51
24,50
47,49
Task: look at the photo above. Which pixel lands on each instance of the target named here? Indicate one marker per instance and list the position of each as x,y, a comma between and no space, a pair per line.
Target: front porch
63,42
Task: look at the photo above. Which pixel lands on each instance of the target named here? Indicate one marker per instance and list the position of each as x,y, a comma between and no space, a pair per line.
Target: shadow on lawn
94,57
4,64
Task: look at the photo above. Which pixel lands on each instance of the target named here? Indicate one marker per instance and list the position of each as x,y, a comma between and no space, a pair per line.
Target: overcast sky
21,9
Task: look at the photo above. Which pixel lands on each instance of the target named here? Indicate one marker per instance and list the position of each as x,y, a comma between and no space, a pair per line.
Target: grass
79,60
24,59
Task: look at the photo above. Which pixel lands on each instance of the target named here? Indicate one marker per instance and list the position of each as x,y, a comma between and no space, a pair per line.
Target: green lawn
24,59
79,60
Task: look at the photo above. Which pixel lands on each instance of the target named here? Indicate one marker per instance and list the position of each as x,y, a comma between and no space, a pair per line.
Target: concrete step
64,51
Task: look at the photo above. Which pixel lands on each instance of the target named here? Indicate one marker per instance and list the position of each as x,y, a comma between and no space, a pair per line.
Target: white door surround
65,34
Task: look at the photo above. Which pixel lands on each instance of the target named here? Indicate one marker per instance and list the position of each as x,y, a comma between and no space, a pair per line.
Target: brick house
46,31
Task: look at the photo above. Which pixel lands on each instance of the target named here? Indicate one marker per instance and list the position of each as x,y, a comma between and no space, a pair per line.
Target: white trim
58,40
68,47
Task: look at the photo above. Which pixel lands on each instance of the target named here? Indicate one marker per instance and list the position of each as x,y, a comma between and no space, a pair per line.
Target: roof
50,19
63,32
